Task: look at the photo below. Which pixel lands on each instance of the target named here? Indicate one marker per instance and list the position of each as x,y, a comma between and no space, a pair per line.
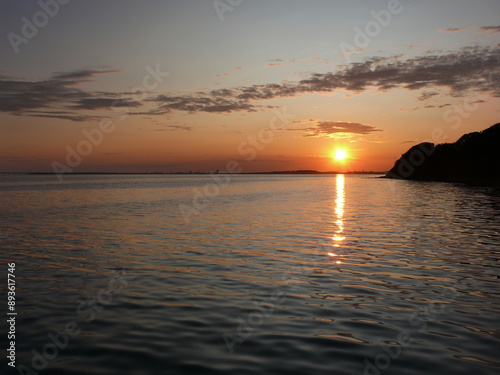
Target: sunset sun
340,155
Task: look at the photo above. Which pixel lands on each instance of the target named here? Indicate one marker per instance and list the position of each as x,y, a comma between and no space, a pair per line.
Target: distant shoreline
299,172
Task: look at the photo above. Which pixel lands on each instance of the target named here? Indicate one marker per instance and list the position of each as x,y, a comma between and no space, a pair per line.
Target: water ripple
276,275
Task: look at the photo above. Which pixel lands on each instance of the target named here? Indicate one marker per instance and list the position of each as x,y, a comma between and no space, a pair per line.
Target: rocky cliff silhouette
474,159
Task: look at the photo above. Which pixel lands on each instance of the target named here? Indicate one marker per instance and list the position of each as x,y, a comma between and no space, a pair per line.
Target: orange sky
263,93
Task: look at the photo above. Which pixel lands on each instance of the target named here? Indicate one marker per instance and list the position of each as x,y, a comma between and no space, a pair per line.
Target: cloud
222,92
453,30
82,74
61,116
454,73
327,128
427,95
489,29
202,103
175,128
482,29
471,68
59,91
458,71
437,106
99,103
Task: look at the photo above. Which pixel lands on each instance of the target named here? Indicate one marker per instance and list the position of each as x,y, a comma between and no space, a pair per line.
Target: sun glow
340,154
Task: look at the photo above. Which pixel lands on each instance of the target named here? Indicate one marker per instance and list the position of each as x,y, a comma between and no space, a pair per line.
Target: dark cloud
427,95
18,97
471,68
333,127
460,71
99,103
489,29
61,115
76,118
222,92
195,103
467,69
453,73
82,74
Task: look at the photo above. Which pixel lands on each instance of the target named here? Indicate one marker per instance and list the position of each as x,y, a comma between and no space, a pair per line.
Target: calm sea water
267,275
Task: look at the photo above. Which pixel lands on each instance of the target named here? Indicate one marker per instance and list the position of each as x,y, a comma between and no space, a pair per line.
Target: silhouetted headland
473,159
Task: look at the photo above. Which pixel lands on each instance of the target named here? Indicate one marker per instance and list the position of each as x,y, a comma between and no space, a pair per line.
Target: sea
248,274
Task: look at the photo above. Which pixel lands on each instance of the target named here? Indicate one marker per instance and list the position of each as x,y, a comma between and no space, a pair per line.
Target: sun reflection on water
338,237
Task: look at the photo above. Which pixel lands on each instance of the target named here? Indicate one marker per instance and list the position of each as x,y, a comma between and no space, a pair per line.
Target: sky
191,85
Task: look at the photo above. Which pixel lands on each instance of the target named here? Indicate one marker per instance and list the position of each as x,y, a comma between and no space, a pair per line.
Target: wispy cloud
489,29
452,74
199,103
453,29
23,97
471,68
437,106
81,75
59,115
482,29
100,103
174,128
427,95
327,128
460,71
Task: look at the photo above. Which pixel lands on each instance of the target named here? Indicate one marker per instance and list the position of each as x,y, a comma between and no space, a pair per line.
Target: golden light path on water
339,213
